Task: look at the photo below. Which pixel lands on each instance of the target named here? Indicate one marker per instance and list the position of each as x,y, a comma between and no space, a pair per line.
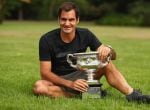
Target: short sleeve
44,50
93,41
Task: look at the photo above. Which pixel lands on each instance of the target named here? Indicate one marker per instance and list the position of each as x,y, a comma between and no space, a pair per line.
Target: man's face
68,21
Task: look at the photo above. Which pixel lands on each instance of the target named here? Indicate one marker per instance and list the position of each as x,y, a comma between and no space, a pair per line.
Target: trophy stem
90,77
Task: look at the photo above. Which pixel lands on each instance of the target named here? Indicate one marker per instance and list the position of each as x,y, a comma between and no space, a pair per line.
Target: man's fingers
78,88
103,52
83,82
81,85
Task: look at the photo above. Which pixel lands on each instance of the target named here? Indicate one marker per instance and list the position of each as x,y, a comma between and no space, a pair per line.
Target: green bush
141,10
120,19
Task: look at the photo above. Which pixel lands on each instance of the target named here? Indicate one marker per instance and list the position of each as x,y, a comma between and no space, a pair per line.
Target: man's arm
47,74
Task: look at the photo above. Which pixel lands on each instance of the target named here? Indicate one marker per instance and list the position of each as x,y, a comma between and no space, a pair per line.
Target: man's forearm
57,80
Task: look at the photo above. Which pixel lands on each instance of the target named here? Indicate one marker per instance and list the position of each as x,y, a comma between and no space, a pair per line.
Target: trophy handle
103,64
107,61
71,57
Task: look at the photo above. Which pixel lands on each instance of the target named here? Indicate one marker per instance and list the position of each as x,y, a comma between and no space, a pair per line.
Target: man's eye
71,19
63,19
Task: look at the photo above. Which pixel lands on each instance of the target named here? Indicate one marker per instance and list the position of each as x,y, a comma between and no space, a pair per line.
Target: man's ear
78,20
58,20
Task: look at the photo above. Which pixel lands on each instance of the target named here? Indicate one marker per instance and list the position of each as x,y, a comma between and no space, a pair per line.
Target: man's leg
116,80
44,87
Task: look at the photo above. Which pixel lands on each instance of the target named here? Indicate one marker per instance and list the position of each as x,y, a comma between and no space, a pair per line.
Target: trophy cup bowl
88,62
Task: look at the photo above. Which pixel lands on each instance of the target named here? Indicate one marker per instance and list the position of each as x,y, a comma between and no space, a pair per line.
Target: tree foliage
2,2
98,10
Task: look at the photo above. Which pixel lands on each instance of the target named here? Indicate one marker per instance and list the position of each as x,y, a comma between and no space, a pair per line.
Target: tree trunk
51,7
20,14
1,11
26,1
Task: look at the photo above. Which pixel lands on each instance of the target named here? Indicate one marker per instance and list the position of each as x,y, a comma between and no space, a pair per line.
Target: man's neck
67,38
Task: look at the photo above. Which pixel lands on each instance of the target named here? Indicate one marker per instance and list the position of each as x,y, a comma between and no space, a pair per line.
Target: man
58,78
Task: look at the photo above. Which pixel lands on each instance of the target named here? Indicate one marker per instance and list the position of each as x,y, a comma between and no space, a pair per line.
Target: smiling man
58,78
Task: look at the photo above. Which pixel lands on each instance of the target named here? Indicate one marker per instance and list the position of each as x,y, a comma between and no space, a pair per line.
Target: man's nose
67,22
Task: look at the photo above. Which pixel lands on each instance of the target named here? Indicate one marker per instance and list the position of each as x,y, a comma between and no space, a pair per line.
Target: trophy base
94,92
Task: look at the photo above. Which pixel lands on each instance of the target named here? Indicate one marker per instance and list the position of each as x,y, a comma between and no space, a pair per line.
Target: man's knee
110,68
39,87
43,87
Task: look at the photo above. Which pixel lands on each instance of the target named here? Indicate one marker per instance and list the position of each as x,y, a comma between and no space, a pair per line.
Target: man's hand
103,51
80,85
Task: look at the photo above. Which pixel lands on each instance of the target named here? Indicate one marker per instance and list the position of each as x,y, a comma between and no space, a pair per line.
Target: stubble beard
67,31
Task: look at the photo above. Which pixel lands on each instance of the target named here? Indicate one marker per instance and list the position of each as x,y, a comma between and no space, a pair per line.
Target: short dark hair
67,6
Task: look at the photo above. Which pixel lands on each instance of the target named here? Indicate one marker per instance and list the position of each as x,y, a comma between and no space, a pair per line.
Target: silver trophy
90,63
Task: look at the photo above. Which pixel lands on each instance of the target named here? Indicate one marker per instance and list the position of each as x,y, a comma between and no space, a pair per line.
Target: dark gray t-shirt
52,48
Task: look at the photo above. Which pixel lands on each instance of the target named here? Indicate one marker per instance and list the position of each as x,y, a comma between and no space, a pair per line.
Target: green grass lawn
19,67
